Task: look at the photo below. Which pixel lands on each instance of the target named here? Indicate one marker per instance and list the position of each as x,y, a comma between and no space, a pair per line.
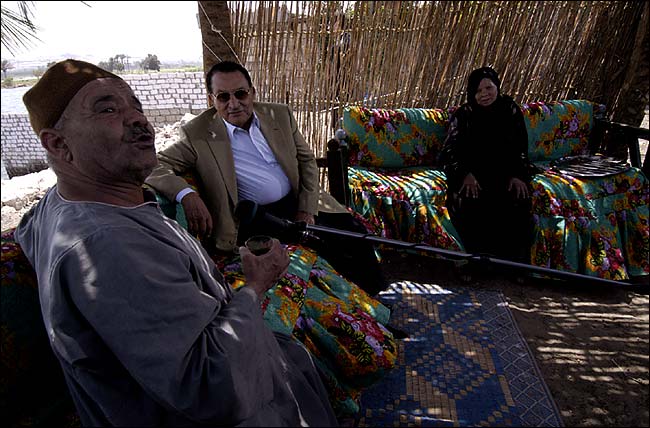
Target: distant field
17,78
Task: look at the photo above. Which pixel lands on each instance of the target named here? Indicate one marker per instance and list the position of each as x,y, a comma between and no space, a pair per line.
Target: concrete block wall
166,97
22,152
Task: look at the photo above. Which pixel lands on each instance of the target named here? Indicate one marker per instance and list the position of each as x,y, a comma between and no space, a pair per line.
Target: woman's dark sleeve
453,157
522,167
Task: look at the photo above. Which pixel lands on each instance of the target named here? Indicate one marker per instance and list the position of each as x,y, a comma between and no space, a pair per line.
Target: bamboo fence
320,56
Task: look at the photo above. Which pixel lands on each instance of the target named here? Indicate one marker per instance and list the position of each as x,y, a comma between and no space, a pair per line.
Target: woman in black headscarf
486,162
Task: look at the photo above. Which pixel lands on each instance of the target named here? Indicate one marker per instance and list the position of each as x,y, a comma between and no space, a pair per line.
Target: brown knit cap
49,97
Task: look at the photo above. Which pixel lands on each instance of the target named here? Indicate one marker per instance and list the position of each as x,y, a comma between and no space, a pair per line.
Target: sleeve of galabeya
200,355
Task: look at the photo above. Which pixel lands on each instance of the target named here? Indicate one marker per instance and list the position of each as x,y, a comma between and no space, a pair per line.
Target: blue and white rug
465,363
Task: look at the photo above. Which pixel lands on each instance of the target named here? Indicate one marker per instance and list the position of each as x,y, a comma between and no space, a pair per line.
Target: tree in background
115,63
151,62
6,66
106,65
120,62
38,72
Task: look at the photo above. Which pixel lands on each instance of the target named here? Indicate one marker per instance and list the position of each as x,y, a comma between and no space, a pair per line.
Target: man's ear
53,141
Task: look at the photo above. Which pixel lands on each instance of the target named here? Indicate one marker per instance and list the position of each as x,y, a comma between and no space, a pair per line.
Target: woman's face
486,93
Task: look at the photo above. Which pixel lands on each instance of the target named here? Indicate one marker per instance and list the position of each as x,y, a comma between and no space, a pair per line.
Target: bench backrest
408,137
394,138
560,128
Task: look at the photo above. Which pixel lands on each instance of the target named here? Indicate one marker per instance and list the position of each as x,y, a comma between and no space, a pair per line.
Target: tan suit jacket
204,146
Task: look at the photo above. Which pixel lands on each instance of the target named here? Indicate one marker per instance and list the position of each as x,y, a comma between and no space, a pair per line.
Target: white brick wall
166,97
21,150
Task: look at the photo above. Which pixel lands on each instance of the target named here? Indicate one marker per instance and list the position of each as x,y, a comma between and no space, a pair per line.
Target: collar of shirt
256,137
232,128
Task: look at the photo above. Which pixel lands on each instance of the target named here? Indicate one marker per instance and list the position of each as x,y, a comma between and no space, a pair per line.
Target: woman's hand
470,187
264,271
519,187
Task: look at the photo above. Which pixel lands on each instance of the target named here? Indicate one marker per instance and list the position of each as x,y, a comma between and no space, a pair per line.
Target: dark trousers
353,258
495,223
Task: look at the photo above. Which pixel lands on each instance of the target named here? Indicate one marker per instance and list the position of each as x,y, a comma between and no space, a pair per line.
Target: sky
168,29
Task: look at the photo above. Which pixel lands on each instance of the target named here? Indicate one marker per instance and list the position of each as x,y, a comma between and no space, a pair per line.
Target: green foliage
151,62
121,62
105,65
115,63
8,82
38,72
6,66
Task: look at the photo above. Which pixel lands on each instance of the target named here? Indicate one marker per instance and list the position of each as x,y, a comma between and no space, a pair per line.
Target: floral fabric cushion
559,128
405,204
596,226
338,322
33,391
394,138
394,185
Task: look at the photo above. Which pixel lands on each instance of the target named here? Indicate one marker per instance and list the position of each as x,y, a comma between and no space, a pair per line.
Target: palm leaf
18,30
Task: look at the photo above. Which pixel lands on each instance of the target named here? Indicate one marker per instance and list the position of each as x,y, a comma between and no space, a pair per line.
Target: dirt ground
590,341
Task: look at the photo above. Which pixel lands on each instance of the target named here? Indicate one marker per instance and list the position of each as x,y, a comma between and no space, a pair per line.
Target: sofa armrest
629,136
337,172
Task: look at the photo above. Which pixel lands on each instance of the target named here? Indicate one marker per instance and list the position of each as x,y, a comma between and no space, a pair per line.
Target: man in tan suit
244,150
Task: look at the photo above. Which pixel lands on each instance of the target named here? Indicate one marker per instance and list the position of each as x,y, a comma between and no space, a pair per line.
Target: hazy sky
168,29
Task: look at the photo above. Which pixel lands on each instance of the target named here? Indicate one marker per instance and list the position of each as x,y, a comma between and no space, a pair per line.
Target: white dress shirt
260,177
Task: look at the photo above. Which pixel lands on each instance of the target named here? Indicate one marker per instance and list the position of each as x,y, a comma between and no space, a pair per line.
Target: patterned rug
464,363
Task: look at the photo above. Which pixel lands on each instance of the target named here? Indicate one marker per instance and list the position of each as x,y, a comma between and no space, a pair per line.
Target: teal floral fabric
596,226
32,388
406,204
338,322
559,128
394,138
392,176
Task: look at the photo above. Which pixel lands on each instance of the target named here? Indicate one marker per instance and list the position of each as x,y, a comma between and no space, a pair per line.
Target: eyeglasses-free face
240,94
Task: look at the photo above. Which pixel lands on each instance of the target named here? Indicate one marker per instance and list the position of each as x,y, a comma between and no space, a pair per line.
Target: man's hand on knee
199,220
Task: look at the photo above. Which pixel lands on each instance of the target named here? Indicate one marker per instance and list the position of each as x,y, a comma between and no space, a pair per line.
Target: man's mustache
138,131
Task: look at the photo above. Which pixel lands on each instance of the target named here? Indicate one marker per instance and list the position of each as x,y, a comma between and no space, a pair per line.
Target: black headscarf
491,142
474,81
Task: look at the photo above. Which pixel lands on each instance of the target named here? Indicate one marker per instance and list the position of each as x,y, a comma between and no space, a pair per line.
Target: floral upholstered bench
597,223
33,391
392,173
590,224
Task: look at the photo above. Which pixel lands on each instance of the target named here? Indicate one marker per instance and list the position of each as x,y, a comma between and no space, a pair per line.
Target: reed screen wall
321,56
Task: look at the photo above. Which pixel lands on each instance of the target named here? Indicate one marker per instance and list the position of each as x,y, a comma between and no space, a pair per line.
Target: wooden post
216,34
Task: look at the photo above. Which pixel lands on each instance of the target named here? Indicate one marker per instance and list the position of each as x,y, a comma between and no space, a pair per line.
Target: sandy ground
590,341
